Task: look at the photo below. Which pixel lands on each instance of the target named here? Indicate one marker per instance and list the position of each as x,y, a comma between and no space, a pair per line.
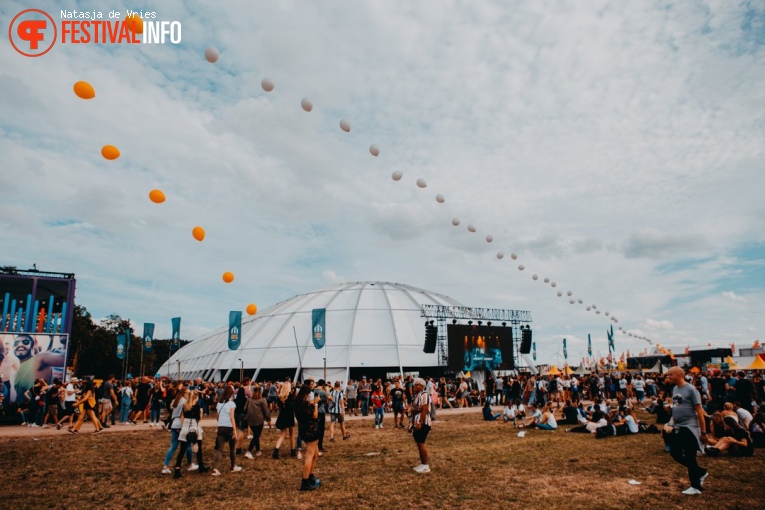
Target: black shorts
422,434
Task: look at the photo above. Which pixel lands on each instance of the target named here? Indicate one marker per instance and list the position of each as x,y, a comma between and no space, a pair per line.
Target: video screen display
480,347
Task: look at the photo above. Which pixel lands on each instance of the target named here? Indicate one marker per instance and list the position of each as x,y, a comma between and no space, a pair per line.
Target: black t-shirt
717,386
397,395
51,396
571,414
142,392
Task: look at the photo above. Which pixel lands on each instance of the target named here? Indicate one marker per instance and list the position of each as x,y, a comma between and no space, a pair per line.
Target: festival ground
476,464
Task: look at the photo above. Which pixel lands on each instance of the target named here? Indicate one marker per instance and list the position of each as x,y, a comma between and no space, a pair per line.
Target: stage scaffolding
506,318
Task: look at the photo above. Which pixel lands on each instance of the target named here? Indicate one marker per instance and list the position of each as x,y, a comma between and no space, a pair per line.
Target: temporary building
371,328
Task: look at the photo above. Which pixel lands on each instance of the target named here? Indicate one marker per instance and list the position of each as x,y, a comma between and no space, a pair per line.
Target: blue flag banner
175,343
318,326
234,330
148,337
589,345
534,350
565,352
121,342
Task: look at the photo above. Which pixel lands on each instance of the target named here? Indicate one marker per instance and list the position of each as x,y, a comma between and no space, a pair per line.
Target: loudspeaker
525,341
431,339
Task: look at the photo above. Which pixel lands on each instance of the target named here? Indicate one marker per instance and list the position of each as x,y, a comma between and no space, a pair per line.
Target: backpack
433,399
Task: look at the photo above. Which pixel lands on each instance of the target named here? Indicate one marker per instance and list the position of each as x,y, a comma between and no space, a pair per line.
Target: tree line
93,348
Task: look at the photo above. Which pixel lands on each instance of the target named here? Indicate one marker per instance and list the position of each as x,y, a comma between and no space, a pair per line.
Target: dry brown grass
475,465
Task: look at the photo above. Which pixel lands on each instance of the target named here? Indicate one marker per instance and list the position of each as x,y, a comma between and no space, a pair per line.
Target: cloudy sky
617,148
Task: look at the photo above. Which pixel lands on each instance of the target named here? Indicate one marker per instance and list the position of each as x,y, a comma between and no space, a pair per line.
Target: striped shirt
421,400
336,405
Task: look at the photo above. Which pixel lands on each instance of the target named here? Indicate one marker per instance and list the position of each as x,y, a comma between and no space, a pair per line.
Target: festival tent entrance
553,371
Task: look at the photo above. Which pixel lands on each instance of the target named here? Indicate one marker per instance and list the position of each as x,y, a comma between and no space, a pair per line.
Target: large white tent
369,325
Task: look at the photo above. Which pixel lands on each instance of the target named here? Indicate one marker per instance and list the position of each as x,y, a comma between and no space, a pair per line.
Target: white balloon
456,222
471,228
489,239
547,280
421,183
500,255
597,311
580,301
397,175
306,104
535,277
569,293
606,314
560,293
267,85
513,256
521,267
594,306
571,301
553,284
212,55
440,199
374,150
345,126
588,308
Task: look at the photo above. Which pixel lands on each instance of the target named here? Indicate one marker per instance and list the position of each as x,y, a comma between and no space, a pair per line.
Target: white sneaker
703,478
35,425
423,469
377,426
418,466
167,471
236,469
381,425
691,491
215,472
300,455
249,455
193,467
249,437
258,453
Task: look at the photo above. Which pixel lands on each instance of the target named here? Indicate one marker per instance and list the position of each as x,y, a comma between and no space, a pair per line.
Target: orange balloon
110,152
84,90
228,277
252,309
198,233
134,23
156,196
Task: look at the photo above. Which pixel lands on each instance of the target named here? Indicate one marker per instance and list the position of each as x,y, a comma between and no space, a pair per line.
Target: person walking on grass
337,412
176,421
686,429
420,423
378,403
190,435
88,402
258,413
307,413
285,422
226,431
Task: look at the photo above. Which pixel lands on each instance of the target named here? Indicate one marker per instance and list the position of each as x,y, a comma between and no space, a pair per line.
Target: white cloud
654,324
733,297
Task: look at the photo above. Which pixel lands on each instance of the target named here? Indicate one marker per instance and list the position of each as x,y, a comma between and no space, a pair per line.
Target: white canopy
368,324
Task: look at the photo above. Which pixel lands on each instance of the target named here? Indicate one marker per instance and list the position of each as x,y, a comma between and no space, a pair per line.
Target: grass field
475,464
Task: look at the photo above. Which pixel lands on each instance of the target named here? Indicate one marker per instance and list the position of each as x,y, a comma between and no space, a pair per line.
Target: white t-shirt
551,421
70,397
631,424
744,417
224,413
638,384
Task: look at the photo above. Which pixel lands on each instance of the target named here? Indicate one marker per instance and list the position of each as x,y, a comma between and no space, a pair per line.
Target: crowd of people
728,407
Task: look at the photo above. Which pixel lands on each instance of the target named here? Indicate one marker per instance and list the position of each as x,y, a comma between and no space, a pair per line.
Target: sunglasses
23,341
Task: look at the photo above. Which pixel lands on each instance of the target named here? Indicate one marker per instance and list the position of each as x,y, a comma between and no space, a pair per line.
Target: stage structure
34,301
440,316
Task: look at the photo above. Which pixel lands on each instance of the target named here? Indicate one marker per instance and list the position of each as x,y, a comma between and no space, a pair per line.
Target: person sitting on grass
488,415
535,415
597,420
627,423
738,443
570,414
757,430
548,421
513,411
